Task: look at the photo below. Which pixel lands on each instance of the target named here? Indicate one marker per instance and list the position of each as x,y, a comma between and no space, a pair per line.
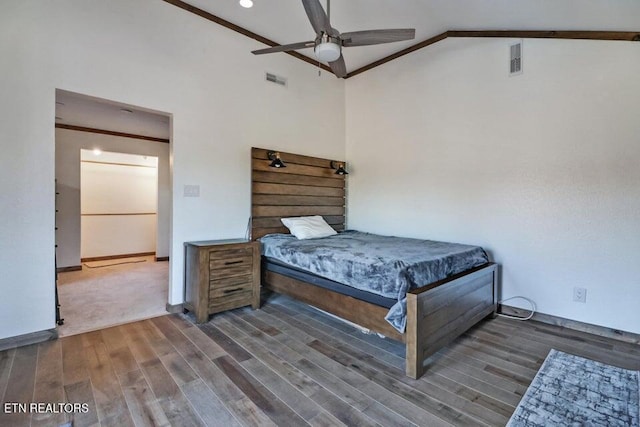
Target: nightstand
221,275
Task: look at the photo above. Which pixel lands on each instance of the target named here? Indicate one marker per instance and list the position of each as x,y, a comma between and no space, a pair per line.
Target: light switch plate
191,190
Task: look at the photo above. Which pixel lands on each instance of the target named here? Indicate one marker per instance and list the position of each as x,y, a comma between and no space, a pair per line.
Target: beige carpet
95,298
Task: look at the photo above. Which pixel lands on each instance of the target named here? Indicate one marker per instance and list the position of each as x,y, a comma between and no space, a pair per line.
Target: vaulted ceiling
285,21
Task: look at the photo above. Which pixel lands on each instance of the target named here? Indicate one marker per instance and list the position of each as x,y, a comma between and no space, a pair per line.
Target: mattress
385,266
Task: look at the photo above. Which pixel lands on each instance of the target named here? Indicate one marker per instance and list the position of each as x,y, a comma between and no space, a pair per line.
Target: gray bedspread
384,265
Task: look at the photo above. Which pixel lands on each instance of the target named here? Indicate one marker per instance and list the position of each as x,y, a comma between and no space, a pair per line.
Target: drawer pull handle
233,262
230,291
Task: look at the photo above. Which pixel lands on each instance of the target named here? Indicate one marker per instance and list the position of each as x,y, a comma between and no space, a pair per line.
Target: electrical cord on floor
508,316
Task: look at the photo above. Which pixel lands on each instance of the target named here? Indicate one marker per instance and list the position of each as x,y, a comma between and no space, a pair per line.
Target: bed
436,312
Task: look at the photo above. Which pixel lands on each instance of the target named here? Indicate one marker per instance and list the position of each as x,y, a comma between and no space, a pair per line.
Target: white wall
68,145
104,236
154,55
541,169
118,203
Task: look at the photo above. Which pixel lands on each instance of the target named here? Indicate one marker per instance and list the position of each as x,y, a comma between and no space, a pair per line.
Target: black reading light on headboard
274,156
339,167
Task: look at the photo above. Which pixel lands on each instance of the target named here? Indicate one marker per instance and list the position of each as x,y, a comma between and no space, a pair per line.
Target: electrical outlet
580,295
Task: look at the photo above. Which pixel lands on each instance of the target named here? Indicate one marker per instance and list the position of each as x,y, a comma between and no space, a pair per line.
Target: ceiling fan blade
317,16
338,67
284,48
369,37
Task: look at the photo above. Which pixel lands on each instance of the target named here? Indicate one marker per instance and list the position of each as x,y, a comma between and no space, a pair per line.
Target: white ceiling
82,110
285,21
118,158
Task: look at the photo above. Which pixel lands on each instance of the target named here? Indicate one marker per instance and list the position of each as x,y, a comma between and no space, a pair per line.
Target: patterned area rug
570,390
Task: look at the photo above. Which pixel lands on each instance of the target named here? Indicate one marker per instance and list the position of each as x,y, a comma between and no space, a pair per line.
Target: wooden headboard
306,186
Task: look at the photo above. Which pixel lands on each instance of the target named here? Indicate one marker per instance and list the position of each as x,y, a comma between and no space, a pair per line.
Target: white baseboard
602,331
27,339
174,308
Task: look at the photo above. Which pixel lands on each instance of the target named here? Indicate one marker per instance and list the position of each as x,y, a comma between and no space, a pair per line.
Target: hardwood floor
286,364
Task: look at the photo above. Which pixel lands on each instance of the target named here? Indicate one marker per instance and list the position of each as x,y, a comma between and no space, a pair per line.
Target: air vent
515,59
282,81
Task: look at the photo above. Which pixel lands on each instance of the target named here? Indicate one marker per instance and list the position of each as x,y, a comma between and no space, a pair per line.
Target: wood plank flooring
287,365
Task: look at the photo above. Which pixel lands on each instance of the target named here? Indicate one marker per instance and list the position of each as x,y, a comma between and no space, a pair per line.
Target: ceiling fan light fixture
246,3
327,52
328,42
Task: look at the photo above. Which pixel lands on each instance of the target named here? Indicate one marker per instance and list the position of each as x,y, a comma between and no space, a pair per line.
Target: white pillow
308,227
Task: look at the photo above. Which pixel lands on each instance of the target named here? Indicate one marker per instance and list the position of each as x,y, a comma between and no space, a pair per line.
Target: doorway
113,199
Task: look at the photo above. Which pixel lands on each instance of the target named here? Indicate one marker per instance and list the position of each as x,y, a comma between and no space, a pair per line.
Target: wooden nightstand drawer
225,263
217,282
235,300
221,253
221,275
230,282
229,291
238,270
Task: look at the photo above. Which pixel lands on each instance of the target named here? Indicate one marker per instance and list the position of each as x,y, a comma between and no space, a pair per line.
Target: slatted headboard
306,186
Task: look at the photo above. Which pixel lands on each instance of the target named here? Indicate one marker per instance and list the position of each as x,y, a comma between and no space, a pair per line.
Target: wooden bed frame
437,313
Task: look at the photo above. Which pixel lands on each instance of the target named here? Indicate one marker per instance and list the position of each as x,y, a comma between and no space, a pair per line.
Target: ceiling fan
329,42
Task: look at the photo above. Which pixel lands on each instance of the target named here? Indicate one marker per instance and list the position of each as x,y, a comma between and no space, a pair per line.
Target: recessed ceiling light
126,110
97,151
246,3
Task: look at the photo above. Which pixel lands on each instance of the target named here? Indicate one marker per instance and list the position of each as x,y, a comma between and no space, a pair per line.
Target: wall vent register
282,81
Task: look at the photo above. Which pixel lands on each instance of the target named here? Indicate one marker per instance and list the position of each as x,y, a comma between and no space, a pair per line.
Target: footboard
440,312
